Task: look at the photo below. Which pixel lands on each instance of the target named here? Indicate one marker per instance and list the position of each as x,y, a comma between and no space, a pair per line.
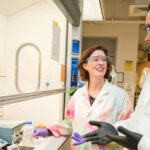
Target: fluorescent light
92,10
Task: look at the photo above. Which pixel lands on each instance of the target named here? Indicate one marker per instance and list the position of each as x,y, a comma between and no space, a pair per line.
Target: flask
28,130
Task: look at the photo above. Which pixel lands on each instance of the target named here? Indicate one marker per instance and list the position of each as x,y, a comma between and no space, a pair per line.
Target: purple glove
78,138
40,132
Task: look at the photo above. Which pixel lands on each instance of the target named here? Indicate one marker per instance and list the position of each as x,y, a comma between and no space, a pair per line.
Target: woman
98,100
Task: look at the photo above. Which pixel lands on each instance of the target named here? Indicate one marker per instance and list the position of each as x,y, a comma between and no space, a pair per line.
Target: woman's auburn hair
86,53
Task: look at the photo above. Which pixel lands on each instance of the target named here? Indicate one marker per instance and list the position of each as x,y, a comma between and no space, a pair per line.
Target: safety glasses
98,59
147,28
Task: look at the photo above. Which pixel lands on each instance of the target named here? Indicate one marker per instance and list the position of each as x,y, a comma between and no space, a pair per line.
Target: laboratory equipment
11,131
13,147
3,143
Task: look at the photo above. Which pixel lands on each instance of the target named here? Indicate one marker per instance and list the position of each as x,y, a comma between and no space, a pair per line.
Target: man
135,132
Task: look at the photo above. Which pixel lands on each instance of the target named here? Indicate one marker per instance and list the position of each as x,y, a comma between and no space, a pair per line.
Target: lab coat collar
104,91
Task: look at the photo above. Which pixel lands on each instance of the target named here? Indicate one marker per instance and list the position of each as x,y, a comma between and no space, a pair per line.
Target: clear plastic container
28,130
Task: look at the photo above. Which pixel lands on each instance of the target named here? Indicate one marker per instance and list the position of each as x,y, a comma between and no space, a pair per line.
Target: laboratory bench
53,143
47,144
10,132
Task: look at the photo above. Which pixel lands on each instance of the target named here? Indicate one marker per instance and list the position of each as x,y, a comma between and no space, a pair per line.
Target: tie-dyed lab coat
112,104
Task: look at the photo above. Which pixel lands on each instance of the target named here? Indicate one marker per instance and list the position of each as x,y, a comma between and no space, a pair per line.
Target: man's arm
129,139
144,143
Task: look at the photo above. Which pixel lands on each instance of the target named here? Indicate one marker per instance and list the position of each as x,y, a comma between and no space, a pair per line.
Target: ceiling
124,10
9,7
114,10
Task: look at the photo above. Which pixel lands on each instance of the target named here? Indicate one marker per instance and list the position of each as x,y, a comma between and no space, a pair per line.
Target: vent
71,10
137,10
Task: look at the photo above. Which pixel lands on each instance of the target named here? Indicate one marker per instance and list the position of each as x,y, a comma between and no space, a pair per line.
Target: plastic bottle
28,130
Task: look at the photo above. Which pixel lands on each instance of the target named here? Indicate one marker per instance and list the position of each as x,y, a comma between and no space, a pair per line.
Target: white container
28,130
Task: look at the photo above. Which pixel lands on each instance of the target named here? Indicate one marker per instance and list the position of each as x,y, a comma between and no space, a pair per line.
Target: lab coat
140,119
112,104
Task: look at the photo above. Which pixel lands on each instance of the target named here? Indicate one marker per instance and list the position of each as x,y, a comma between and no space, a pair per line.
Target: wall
127,43
127,35
74,33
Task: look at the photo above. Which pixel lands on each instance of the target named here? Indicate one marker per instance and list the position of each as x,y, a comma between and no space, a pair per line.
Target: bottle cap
28,122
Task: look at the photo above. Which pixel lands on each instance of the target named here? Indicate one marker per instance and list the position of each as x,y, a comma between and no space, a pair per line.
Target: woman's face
96,64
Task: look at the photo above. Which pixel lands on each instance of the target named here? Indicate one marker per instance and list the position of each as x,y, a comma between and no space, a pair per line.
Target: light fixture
92,10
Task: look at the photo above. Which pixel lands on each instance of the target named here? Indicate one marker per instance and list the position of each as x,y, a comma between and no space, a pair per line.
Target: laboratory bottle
28,130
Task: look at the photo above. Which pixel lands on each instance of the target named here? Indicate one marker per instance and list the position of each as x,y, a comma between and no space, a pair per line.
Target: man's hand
99,136
130,140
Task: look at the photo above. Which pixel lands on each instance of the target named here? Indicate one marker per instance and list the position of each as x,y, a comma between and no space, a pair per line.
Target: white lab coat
111,105
140,119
